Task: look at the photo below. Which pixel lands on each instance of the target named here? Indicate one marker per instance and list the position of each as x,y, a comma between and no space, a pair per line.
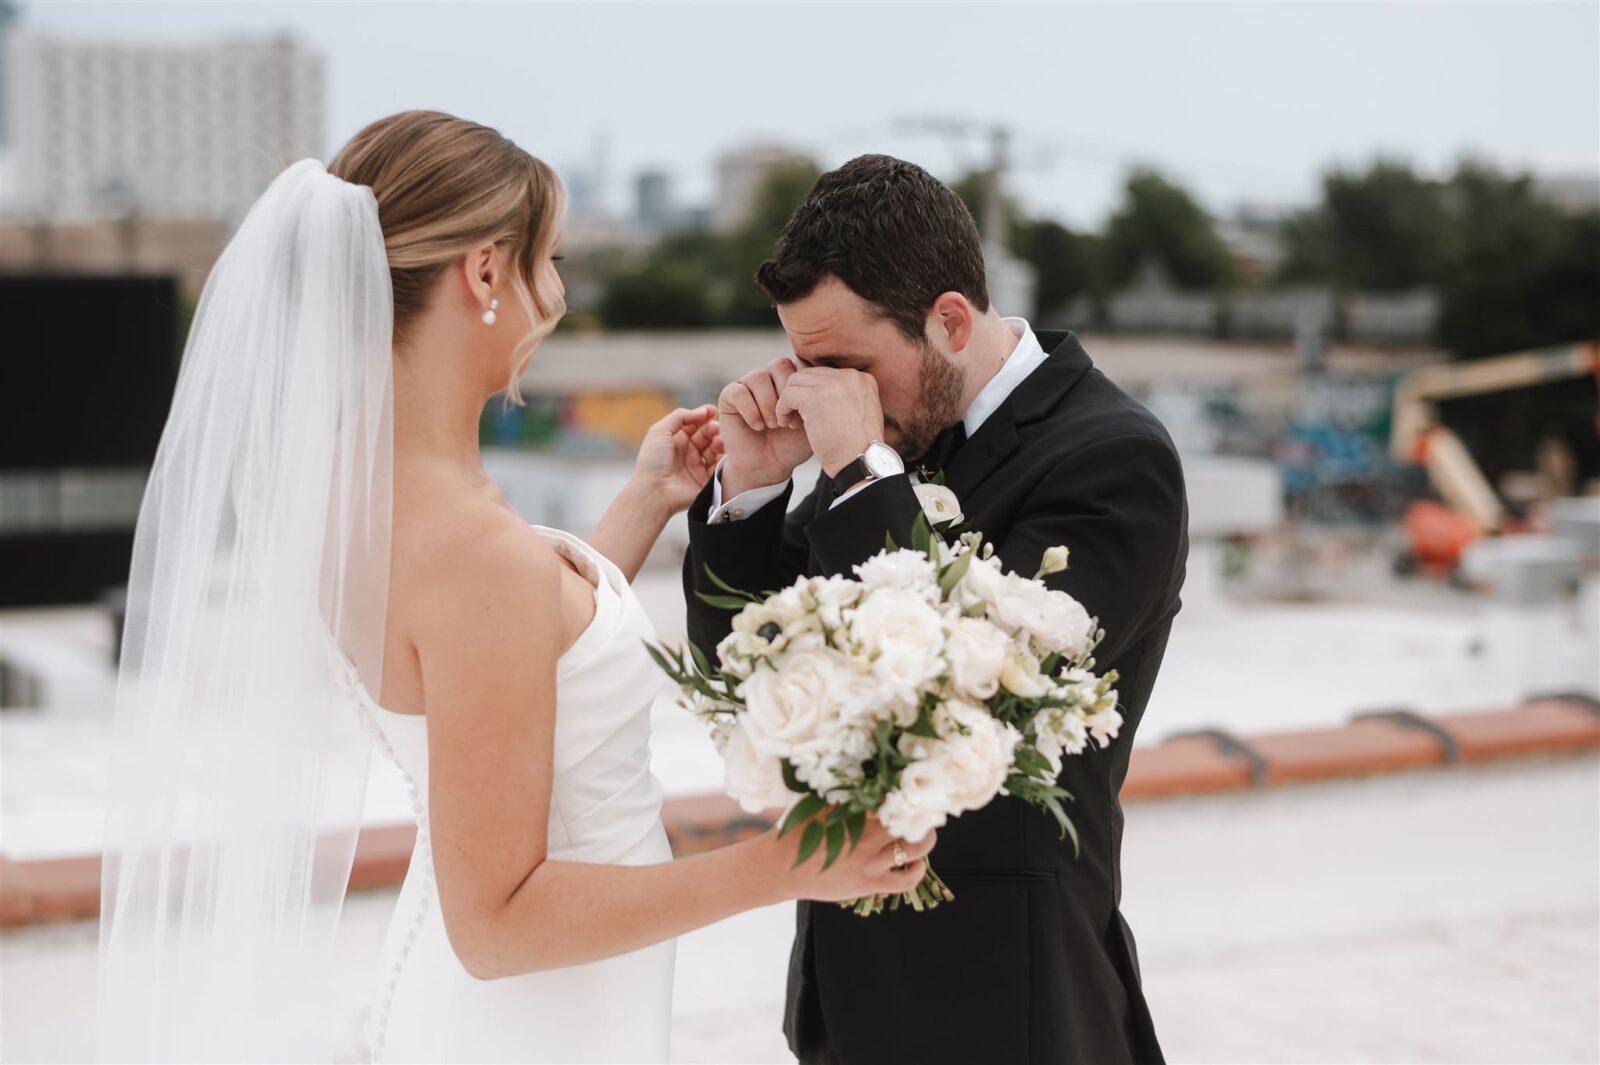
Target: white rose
977,652
919,805
752,778
1020,676
784,707
977,761
938,503
1053,620
982,583
905,568
859,698
905,636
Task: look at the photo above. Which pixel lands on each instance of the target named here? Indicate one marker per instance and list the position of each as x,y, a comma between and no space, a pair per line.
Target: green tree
1159,221
752,243
700,279
660,295
1382,229
1066,265
1518,272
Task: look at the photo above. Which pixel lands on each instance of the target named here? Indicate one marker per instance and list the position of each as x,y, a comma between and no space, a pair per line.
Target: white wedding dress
605,807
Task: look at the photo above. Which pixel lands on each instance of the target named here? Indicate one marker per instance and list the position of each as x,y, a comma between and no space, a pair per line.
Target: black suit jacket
1032,962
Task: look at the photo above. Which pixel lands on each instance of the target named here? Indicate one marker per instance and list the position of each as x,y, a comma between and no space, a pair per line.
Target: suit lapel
1034,397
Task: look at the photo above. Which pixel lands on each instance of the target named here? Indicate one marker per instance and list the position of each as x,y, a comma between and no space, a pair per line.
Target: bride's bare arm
490,630
675,460
631,525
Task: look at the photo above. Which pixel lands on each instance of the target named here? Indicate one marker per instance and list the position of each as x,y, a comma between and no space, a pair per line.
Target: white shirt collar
1023,360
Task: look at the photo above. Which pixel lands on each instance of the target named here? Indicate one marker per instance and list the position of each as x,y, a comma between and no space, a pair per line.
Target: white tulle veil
260,565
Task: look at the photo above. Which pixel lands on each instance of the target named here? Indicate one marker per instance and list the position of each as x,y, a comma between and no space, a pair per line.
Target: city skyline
1246,105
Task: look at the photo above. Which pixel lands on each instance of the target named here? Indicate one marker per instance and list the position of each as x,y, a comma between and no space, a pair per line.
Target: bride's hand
868,869
678,454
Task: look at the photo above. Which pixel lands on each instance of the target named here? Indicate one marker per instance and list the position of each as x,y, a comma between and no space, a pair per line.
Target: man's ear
953,318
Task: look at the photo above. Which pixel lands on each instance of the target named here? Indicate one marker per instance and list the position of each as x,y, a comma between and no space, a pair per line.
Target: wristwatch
879,460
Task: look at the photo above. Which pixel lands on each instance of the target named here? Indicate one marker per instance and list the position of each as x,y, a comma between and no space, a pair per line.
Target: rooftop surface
1450,915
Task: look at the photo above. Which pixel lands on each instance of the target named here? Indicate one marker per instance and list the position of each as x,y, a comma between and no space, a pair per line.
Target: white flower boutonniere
938,503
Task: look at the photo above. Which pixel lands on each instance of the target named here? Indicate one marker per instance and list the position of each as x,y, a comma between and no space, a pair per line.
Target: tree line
1512,269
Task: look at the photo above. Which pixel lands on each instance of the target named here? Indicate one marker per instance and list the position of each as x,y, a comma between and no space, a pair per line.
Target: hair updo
445,186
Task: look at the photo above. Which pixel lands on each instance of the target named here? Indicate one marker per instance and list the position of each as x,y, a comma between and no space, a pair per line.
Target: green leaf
888,541
725,586
923,726
954,572
790,780
725,602
808,843
835,843
856,824
804,810
1067,827
661,660
920,535
700,659
881,734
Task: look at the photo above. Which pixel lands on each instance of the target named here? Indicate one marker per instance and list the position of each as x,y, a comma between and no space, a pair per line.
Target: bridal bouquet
928,684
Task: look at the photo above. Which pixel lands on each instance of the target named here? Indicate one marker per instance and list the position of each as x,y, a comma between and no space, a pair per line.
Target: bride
322,568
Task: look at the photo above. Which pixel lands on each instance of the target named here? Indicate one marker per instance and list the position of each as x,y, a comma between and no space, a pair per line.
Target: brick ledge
1207,763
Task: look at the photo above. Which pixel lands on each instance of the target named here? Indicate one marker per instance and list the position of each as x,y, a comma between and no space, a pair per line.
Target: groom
903,369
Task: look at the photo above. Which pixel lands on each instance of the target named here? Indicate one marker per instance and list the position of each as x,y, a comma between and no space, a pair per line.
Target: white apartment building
741,174
101,127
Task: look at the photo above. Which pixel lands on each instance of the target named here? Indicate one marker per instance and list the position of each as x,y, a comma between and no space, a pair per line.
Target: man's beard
941,383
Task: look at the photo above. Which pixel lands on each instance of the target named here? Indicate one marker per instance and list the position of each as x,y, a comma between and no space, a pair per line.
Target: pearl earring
488,315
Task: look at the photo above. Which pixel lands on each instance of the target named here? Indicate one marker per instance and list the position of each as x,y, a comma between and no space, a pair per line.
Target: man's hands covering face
775,417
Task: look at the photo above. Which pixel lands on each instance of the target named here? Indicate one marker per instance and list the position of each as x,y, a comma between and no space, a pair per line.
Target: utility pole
959,132
994,194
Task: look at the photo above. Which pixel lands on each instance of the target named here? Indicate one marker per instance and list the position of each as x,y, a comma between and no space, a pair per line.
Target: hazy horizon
1245,104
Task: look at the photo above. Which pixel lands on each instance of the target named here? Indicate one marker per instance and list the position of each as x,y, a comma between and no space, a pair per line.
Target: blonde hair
445,186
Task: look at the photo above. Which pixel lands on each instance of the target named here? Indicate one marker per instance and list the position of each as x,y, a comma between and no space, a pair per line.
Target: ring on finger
900,856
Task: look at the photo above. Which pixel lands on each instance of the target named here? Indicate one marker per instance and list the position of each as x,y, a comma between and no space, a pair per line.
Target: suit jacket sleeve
770,548
759,553
1119,507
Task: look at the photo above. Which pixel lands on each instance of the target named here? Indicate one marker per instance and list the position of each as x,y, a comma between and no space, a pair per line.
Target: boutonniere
939,504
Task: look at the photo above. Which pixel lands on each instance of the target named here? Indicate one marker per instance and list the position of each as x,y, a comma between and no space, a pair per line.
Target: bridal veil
261,556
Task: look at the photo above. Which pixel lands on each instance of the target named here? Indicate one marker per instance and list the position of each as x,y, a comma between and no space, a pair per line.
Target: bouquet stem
925,896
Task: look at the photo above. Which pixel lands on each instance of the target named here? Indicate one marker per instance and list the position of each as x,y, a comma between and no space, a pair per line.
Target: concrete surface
1448,916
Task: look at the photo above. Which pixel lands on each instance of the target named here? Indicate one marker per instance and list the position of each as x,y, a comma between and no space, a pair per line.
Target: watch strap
849,475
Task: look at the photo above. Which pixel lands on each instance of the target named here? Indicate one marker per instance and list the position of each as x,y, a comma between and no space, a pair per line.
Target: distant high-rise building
103,127
652,208
740,176
8,16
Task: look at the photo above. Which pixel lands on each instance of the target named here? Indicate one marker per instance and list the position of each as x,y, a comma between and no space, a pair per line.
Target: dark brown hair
444,186
893,233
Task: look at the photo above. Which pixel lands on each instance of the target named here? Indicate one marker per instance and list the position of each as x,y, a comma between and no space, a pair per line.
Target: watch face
883,460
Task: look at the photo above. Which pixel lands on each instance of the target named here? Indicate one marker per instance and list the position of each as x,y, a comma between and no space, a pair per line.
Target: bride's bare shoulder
471,557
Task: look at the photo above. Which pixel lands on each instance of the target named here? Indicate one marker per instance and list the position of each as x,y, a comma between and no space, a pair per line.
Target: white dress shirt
1023,360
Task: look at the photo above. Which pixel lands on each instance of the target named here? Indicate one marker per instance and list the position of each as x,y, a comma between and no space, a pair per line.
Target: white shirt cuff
742,505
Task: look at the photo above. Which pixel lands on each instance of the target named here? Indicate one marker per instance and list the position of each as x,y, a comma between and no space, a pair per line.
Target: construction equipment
1472,508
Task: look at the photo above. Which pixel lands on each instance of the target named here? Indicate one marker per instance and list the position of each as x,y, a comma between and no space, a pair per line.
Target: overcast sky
1244,102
